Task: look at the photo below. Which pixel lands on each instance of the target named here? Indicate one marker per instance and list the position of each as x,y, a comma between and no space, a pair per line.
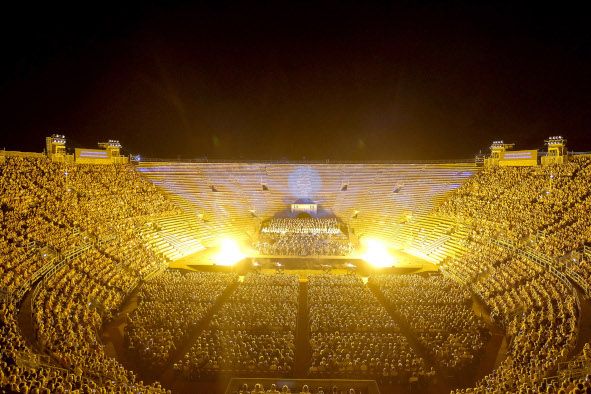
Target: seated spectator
170,306
352,334
253,332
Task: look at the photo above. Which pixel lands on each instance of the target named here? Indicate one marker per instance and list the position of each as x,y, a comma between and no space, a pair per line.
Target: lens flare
375,252
229,252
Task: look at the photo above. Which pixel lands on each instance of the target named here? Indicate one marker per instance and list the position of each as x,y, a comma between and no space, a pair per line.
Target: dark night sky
415,80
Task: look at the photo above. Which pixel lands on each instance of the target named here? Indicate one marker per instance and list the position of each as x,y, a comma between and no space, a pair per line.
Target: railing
105,239
54,268
562,271
35,360
432,246
543,261
18,294
575,369
50,269
98,242
32,360
151,275
578,279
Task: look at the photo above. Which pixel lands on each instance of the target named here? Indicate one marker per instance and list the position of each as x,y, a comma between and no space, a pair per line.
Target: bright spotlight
229,252
376,253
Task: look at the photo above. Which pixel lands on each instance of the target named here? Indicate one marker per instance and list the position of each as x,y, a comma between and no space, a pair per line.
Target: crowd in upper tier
91,213
544,210
253,332
303,237
353,335
170,307
50,207
547,205
439,313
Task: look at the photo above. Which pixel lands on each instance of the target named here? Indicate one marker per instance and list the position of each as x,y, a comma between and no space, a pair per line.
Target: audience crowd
170,307
85,218
254,332
353,335
439,313
538,311
302,226
36,376
544,207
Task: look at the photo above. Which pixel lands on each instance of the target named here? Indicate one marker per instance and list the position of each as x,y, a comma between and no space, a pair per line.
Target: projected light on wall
304,182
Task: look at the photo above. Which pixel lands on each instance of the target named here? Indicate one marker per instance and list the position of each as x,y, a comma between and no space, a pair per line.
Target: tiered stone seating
231,198
175,236
432,238
52,210
522,219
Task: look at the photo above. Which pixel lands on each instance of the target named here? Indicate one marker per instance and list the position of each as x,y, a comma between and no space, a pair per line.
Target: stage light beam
375,252
229,252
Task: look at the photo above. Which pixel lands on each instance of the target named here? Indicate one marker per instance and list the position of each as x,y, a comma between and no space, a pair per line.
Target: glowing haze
229,252
375,252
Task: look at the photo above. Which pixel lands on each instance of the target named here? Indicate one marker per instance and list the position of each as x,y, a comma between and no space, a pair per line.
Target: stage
205,261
